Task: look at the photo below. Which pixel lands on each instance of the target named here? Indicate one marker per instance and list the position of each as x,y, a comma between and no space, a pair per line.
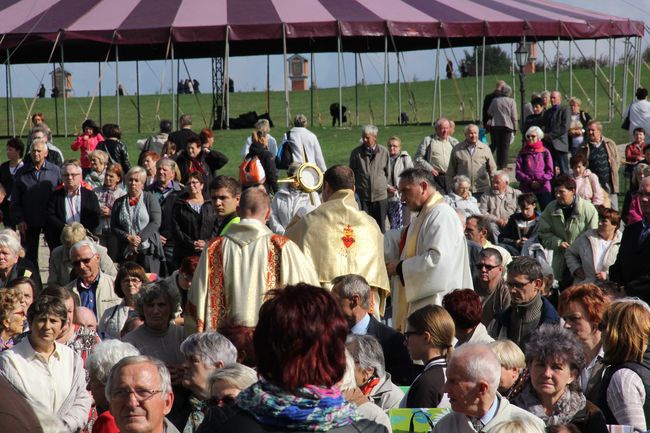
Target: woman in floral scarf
555,359
300,355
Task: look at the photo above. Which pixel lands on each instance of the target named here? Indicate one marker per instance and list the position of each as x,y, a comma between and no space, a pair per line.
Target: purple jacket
534,166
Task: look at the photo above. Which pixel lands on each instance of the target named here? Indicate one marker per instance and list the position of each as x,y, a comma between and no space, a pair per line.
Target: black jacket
89,218
167,209
190,226
25,268
117,152
242,422
32,192
7,181
426,389
510,233
590,419
210,162
268,163
556,128
179,138
396,356
632,267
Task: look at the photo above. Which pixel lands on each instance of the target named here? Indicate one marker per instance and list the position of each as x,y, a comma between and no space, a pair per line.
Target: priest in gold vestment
340,239
236,270
429,258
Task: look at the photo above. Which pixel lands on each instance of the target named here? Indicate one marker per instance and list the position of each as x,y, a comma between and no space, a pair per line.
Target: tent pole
65,98
311,84
385,74
482,75
137,91
172,87
286,76
625,71
557,65
637,73
479,112
399,88
613,78
512,69
117,84
99,76
570,68
595,78
268,83
226,78
7,91
56,104
435,85
544,63
610,88
178,95
338,76
11,96
356,90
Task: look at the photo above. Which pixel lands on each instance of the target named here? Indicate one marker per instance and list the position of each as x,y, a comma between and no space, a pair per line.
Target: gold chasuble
340,239
235,271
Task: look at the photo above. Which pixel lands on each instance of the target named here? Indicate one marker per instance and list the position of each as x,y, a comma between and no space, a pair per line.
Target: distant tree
646,55
496,60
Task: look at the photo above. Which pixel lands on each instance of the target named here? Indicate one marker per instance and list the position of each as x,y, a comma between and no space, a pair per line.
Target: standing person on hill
434,151
370,163
306,143
155,142
398,214
638,112
260,148
502,114
86,142
117,151
557,121
472,158
179,138
8,170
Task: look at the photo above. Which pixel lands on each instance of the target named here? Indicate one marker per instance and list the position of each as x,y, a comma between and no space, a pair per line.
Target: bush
496,60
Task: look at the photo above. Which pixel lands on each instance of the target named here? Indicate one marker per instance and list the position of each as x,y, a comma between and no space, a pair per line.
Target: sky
248,76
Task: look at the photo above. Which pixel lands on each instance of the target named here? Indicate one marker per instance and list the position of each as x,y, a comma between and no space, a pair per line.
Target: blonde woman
429,338
513,367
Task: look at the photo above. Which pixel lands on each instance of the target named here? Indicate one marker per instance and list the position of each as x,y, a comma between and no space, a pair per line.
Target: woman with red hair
300,355
465,308
582,307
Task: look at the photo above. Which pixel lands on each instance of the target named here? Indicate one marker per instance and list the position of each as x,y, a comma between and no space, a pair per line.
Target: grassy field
458,103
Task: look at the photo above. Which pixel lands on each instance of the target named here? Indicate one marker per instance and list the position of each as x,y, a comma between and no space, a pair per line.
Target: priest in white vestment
235,271
340,239
428,258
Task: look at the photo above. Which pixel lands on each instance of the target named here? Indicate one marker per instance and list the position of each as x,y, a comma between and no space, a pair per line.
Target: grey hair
100,154
348,381
165,378
503,175
185,120
417,175
105,355
293,168
370,130
137,171
352,284
83,243
42,141
556,342
470,126
8,241
506,91
633,300
166,161
439,122
458,179
518,424
41,128
71,163
537,131
149,293
545,94
236,375
300,120
478,362
210,347
366,350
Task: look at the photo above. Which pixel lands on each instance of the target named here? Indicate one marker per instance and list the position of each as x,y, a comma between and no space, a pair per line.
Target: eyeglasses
407,334
141,395
480,266
517,284
80,261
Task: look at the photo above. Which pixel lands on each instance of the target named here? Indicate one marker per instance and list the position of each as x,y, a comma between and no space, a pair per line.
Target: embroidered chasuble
340,239
434,259
235,271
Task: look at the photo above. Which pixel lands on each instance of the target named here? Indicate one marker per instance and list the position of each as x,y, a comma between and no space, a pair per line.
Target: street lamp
521,56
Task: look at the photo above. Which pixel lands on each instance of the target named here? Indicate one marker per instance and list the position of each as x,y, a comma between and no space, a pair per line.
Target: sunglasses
480,266
80,261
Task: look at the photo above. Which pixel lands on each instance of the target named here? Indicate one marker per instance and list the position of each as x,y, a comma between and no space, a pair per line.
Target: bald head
254,203
478,363
556,97
85,317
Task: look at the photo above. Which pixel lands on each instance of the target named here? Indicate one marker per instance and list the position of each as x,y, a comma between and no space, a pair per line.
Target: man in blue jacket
33,186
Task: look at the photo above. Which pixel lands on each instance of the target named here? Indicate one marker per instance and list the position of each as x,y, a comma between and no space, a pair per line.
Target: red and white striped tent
145,29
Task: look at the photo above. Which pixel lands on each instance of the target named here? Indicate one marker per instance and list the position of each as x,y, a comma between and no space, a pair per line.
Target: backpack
284,157
251,172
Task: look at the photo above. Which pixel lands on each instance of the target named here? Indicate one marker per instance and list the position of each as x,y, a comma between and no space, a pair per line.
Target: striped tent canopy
34,30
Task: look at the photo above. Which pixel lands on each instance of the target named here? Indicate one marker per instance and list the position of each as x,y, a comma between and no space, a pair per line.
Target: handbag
626,123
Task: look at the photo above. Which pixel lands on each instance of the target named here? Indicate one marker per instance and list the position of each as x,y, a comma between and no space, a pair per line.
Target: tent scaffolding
182,29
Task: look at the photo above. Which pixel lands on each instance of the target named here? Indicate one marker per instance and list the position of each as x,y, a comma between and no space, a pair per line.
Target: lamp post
521,55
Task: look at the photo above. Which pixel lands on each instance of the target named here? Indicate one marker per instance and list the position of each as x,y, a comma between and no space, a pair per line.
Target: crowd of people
179,299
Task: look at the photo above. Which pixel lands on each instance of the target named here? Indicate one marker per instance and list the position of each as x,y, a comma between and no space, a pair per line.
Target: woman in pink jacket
587,185
534,167
86,142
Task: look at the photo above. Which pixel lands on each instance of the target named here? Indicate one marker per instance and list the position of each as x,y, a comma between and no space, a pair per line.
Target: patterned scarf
310,408
565,409
196,415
